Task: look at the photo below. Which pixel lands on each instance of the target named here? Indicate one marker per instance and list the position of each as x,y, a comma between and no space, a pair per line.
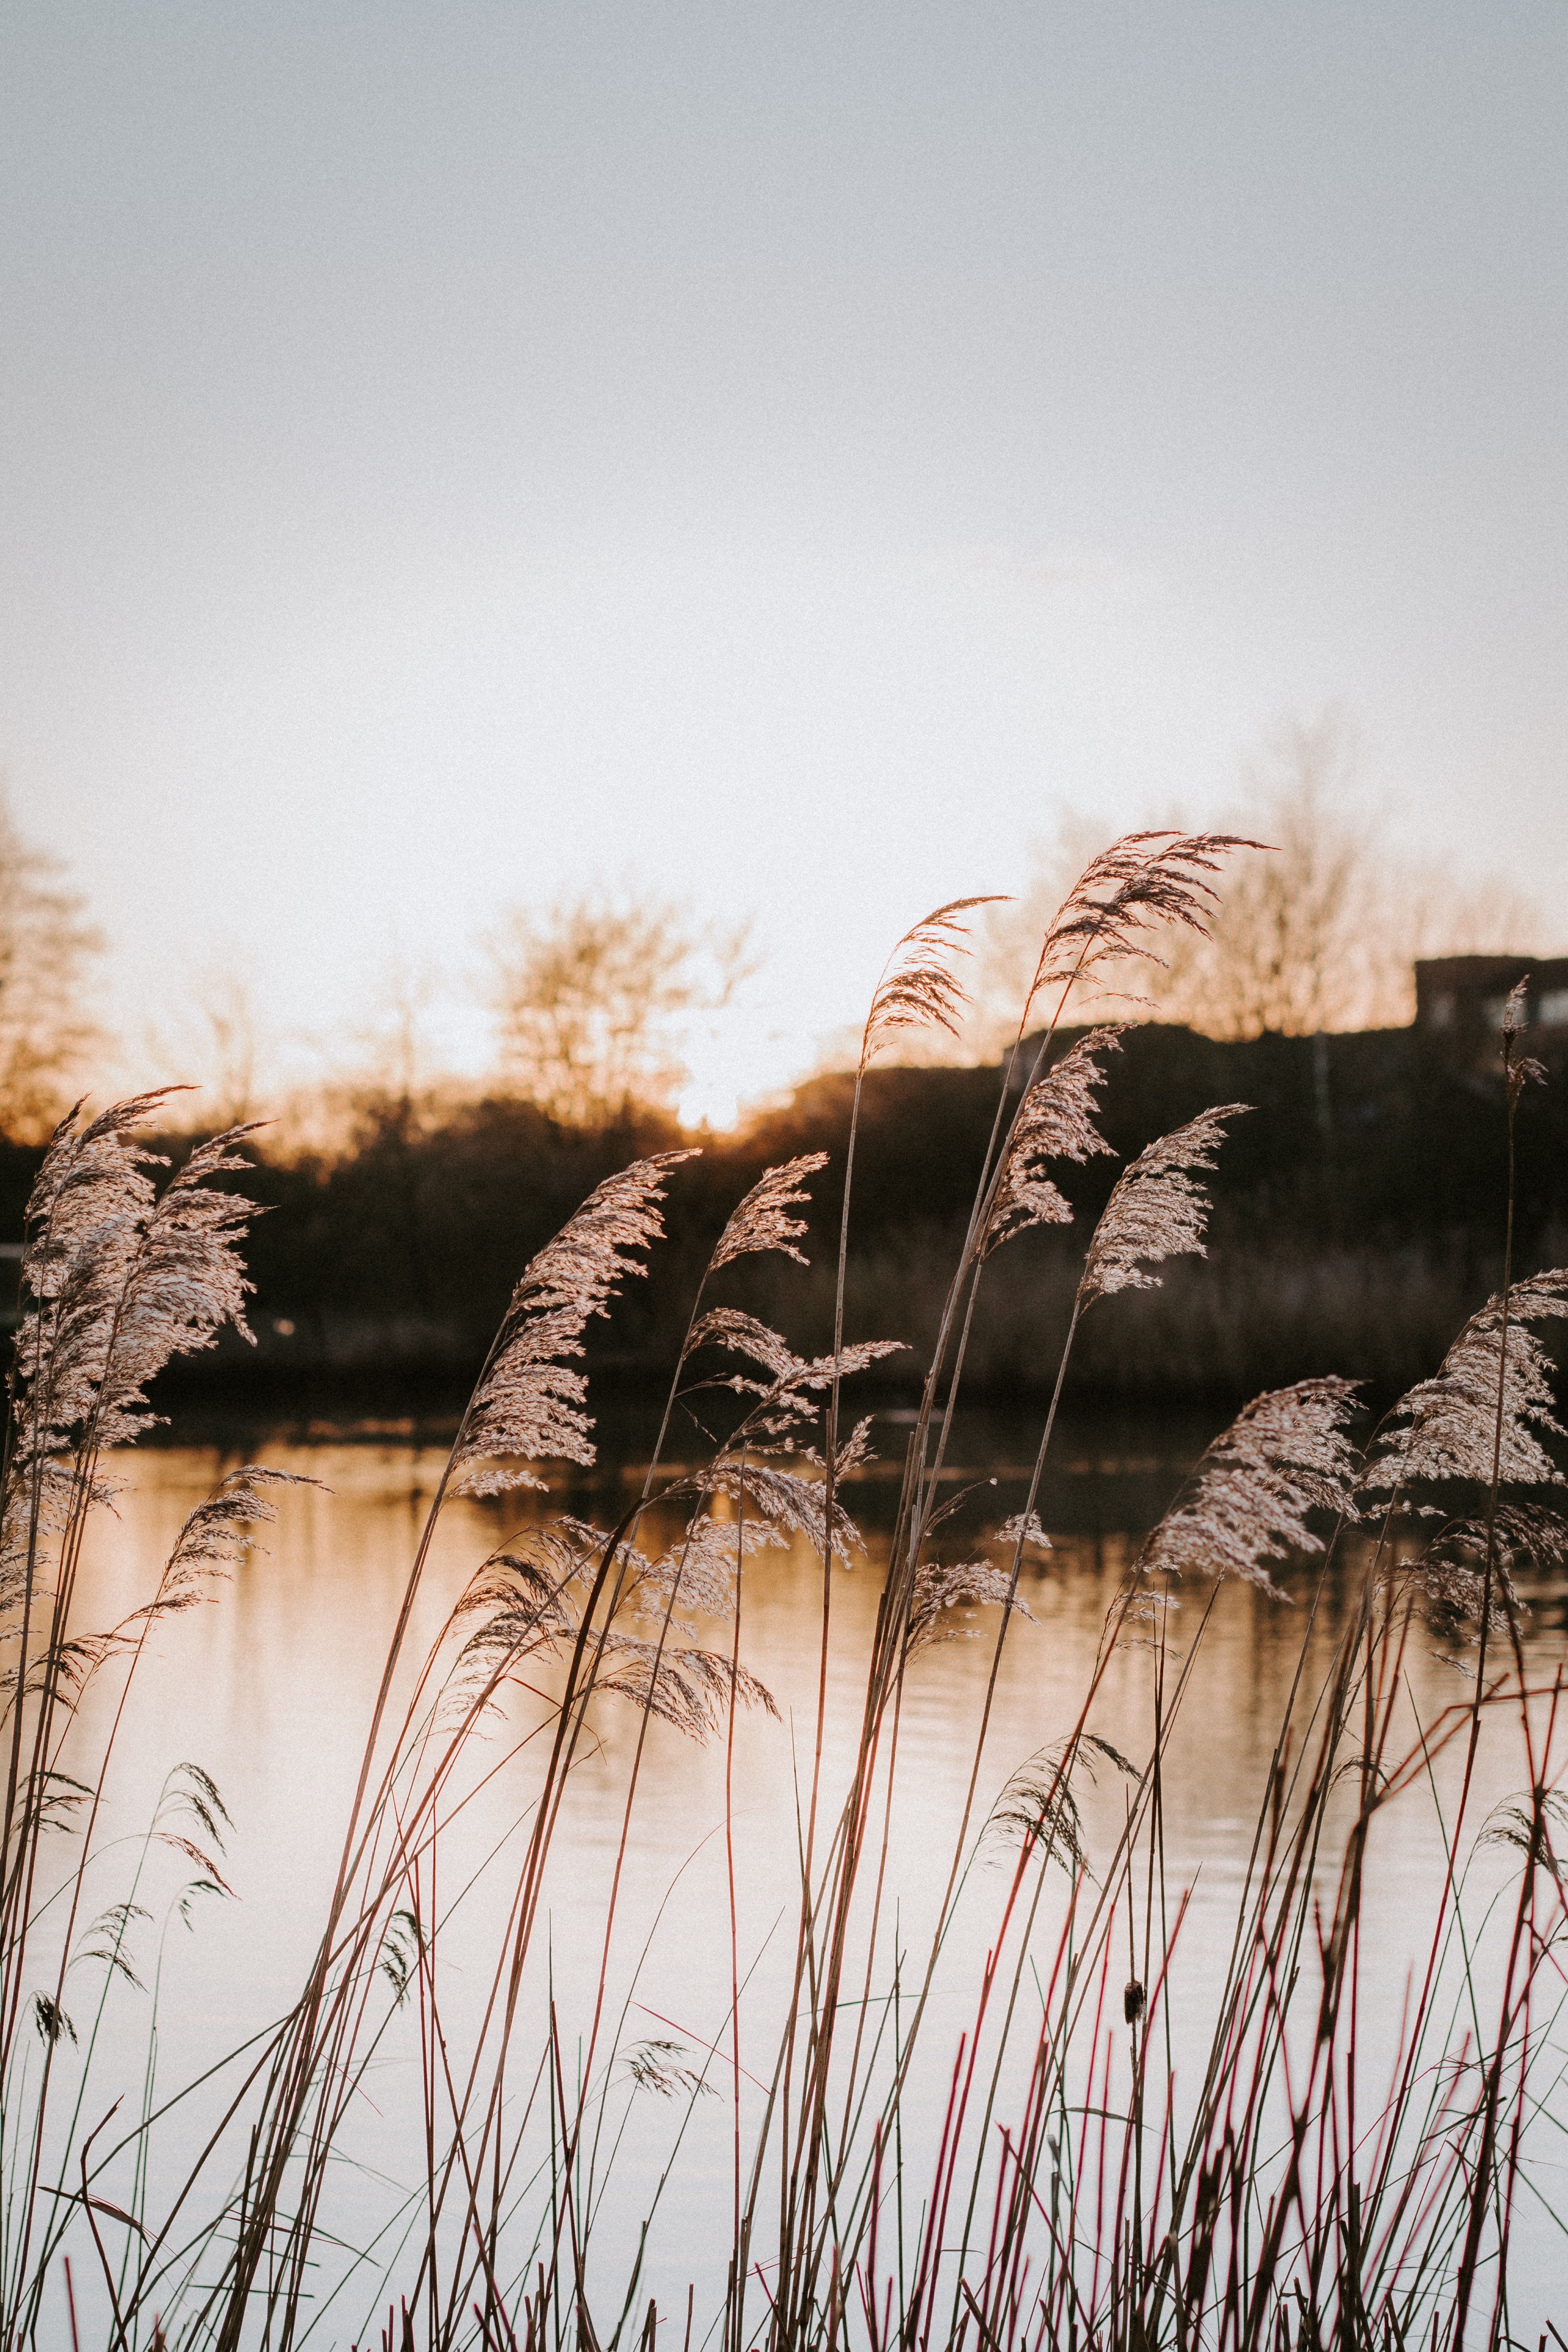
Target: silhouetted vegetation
1346,1222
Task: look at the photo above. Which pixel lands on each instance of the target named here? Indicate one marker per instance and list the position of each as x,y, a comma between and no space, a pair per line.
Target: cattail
1249,1500
528,1405
1055,1122
1156,1211
918,989
1140,882
761,1221
1448,1427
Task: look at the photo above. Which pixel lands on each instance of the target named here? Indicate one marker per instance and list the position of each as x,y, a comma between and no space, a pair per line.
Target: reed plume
1492,1394
528,1405
763,1222
1156,1211
1125,894
1252,1497
1055,1122
919,988
937,1591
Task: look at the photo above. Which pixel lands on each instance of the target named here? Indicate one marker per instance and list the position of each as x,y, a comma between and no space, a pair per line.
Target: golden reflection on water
270,1688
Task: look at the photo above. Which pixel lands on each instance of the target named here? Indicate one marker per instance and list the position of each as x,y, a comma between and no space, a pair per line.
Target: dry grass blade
1251,1499
528,1405
1055,1122
1156,1211
918,989
762,1221
1447,1427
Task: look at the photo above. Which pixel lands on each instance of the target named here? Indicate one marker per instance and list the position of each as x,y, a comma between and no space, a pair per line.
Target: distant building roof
1465,994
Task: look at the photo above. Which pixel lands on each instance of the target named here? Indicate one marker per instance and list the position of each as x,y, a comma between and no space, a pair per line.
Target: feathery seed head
939,1589
116,1279
1127,892
1022,1528
1055,1122
919,988
1450,1577
1447,1427
1515,1015
1247,1502
528,1404
1156,1211
761,1221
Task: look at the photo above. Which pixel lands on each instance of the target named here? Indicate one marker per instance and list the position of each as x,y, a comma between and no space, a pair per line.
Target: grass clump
1102,2175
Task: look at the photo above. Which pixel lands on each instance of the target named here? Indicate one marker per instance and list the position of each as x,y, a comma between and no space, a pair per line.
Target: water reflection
270,1690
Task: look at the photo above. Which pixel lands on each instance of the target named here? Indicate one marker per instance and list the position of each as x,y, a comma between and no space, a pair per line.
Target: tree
46,952
1320,932
589,1001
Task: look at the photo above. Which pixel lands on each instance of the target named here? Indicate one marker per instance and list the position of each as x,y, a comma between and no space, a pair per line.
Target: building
1462,997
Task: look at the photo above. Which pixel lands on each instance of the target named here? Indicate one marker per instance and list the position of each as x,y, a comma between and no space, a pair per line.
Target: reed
1103,2174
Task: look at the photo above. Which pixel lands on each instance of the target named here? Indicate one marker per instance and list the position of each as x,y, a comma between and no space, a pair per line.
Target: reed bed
1103,2172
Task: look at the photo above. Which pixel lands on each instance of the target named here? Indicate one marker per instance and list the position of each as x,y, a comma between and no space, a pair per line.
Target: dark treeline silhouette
1355,1225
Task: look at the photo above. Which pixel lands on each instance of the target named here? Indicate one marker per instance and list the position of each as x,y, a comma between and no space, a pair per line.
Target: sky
775,458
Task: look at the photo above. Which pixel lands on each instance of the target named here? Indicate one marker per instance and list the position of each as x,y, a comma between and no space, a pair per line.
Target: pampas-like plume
1450,1576
528,1405
794,1505
937,1589
918,989
689,1689
1140,881
1055,1122
219,1536
116,1279
521,1602
741,1334
214,1539
1038,1809
1023,1527
792,1376
120,1278
763,1222
1247,1502
1447,1427
698,1571
1156,1211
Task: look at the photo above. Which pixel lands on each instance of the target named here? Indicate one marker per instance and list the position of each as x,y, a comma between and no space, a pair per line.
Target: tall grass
1102,2175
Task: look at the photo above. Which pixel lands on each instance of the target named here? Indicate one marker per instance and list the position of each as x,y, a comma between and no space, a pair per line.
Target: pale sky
453,454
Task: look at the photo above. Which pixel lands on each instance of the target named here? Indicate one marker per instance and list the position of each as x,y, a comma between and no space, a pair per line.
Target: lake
270,1688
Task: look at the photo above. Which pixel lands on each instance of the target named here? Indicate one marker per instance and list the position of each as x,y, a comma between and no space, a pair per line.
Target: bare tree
47,949
591,1000
1294,944
1319,932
